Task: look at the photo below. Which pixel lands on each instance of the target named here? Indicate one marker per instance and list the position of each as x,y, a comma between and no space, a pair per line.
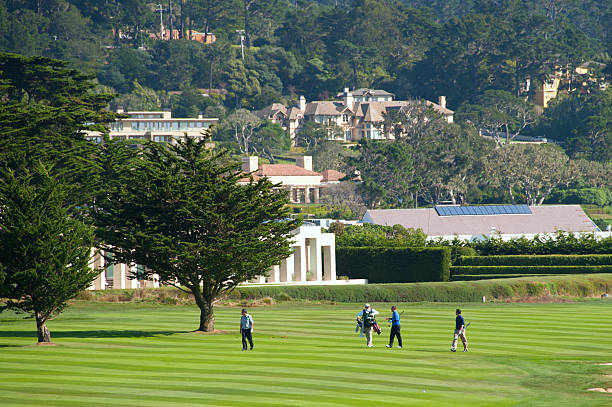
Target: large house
155,126
360,113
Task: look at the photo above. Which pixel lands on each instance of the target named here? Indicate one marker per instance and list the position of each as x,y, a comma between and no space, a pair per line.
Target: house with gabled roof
360,113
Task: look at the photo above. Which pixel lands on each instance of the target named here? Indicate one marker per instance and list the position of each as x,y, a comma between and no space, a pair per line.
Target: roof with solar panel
481,220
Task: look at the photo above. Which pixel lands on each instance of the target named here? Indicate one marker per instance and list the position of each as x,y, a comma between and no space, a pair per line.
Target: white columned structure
329,263
97,262
274,274
286,269
299,263
119,276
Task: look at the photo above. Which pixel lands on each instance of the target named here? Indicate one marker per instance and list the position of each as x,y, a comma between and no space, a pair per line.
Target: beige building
304,184
359,114
155,126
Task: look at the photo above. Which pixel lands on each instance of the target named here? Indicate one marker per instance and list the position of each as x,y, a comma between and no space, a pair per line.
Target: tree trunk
207,316
182,20
41,327
171,22
246,23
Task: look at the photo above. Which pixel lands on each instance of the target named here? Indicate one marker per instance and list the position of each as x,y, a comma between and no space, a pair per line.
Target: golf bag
376,328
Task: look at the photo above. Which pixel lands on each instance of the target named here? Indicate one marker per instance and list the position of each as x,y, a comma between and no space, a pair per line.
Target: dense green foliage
562,243
144,354
530,270
457,292
44,251
596,196
179,210
550,260
394,264
48,177
369,235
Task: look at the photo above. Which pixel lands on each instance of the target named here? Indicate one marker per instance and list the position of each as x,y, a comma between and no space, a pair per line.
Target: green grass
308,355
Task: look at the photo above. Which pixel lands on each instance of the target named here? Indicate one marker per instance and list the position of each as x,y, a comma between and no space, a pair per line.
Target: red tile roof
279,170
332,175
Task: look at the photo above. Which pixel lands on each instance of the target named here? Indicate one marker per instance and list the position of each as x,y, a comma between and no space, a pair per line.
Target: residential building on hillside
304,184
155,126
359,114
468,222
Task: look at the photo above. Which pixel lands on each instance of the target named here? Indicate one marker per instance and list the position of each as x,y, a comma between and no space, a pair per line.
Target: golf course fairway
146,355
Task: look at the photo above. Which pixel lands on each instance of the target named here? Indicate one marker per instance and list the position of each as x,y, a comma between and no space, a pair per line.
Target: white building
313,261
304,184
155,126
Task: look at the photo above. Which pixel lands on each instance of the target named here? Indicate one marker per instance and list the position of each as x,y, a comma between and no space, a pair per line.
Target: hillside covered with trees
486,56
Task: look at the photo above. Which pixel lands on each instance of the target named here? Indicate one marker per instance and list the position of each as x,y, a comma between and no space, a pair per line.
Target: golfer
366,315
459,332
246,329
395,328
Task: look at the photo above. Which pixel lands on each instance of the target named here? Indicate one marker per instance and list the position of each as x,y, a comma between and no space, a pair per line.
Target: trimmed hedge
537,260
460,291
473,277
394,264
501,270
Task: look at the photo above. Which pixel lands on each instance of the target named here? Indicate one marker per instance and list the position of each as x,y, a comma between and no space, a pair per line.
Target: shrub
542,260
561,243
461,291
394,264
369,235
501,270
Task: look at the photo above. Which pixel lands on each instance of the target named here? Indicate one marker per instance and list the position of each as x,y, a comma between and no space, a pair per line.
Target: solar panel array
483,210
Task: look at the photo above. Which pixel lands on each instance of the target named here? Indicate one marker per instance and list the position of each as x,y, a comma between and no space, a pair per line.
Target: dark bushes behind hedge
500,270
543,260
394,264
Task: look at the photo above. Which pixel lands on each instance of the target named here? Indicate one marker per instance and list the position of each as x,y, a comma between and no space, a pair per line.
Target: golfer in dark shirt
459,332
395,328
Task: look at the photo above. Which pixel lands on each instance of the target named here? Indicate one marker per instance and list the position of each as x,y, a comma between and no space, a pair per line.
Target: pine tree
180,211
44,252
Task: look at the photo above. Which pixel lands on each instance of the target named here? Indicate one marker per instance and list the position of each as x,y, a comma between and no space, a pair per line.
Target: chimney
442,101
302,104
250,163
348,98
304,162
120,109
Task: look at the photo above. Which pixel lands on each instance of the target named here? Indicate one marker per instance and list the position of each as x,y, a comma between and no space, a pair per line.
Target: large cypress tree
180,211
44,251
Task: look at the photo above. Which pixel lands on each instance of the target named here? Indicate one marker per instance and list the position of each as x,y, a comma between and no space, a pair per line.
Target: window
347,135
161,139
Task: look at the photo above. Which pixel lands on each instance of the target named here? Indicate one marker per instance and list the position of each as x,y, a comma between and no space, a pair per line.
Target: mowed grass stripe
320,362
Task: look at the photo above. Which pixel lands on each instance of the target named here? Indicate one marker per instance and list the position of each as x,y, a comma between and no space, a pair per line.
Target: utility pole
160,9
241,32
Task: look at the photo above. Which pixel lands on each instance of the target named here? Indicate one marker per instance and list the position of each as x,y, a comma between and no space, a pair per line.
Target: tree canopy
181,212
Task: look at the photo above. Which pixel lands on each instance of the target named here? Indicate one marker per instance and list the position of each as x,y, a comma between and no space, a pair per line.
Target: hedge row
456,270
537,260
394,264
460,291
473,277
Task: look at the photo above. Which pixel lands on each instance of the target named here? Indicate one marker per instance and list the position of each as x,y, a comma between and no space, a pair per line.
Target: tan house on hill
359,114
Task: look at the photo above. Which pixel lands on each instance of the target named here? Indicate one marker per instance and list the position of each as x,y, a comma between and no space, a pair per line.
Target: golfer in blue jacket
395,328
